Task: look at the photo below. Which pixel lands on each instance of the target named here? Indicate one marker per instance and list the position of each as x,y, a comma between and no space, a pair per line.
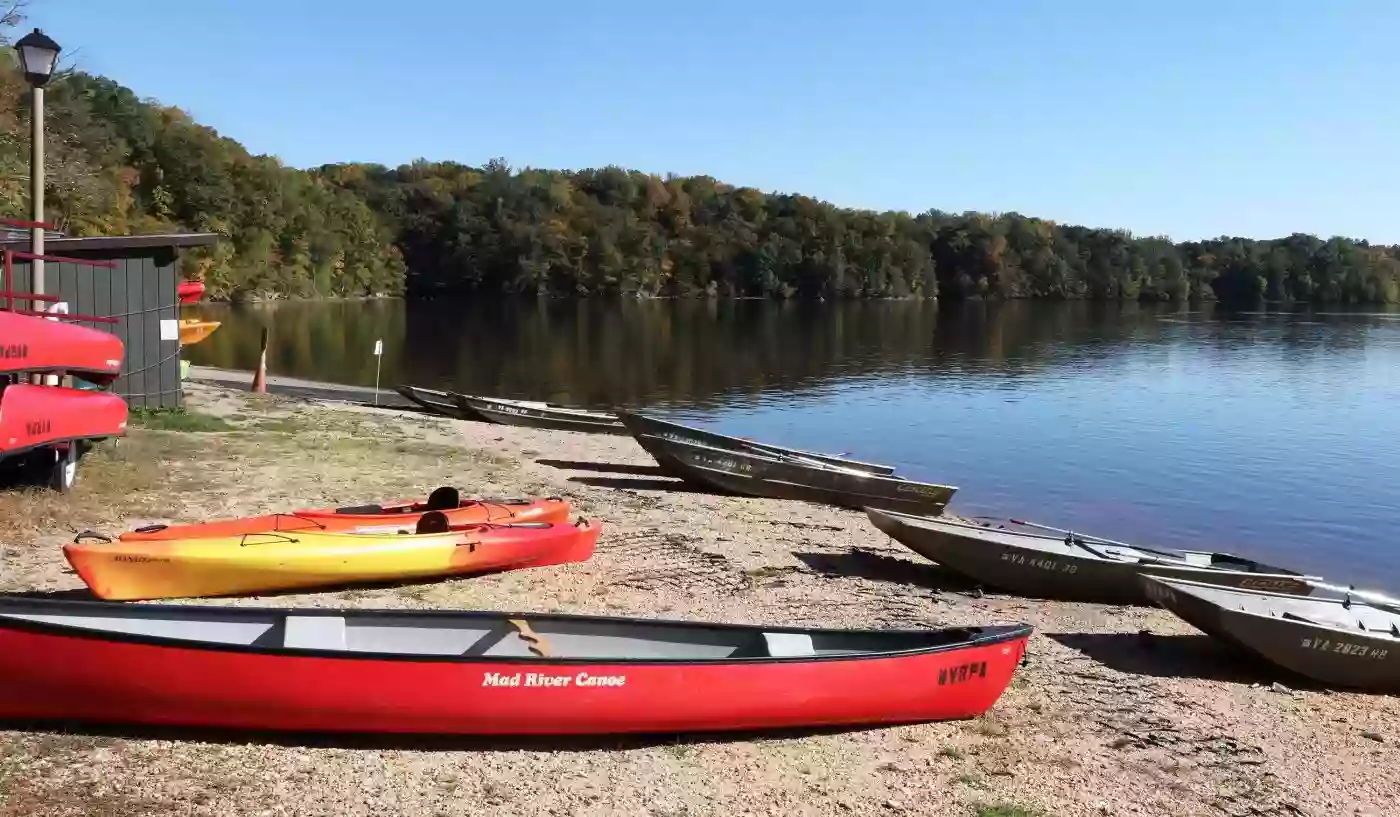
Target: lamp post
38,54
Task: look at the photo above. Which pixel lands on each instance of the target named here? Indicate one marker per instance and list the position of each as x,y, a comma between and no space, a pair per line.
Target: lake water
1273,435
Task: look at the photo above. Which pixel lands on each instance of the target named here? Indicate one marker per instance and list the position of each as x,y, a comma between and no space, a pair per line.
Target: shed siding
139,292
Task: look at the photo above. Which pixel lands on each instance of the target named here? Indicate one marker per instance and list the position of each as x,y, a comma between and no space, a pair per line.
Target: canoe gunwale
1154,557
636,425
1282,597
988,635
542,409
495,411
878,479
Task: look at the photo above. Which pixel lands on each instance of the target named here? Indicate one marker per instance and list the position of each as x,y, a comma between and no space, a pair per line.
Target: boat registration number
666,435
14,351
961,673
1041,564
1344,648
730,464
921,490
34,428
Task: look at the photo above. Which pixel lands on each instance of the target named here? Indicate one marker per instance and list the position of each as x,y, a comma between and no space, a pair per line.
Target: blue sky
1190,118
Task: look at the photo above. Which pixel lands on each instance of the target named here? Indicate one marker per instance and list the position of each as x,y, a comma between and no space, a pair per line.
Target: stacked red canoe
46,423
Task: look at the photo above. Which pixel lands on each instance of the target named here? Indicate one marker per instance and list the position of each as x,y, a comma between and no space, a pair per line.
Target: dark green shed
139,292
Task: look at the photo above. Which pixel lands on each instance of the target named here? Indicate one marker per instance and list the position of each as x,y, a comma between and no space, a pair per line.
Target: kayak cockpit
444,498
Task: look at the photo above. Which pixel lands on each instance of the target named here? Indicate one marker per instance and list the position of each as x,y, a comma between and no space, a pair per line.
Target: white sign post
378,359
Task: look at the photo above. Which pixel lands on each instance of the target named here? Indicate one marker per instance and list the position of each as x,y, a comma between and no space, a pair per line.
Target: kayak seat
788,645
433,522
364,509
445,498
314,632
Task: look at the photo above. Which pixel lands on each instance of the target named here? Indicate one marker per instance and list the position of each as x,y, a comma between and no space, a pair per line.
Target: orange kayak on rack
393,517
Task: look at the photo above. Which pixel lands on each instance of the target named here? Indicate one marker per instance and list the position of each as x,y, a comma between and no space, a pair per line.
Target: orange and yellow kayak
259,563
393,517
193,331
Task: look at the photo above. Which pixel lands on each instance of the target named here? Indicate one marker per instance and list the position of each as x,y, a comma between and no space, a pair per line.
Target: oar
827,466
1143,548
793,453
1369,596
1071,538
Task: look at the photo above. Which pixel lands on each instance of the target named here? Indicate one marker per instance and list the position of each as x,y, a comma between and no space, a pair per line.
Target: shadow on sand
428,742
1178,656
603,467
79,594
624,484
878,567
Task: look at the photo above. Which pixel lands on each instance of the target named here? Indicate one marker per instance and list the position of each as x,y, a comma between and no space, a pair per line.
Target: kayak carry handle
92,534
151,528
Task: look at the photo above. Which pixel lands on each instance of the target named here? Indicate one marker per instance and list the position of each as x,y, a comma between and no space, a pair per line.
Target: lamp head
38,55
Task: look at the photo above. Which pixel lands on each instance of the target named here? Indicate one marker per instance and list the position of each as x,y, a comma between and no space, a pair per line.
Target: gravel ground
1119,711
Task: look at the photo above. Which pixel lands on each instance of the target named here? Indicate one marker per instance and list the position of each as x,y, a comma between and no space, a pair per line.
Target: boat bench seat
314,633
784,645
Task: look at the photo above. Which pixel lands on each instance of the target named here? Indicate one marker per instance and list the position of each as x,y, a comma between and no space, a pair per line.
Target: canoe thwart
314,633
532,639
788,645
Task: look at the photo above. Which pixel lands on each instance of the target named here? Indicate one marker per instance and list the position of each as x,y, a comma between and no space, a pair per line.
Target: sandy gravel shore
1119,711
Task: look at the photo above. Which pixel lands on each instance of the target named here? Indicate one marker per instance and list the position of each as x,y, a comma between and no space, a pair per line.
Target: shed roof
70,244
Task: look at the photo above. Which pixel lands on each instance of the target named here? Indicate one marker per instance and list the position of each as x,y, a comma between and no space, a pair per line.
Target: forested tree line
609,230
119,164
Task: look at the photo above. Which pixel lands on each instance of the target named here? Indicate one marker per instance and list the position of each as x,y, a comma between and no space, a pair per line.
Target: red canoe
34,416
405,671
29,344
190,291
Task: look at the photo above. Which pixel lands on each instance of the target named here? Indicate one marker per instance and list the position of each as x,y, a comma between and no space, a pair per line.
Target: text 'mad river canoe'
639,424
755,473
451,672
1015,558
33,344
1342,642
390,517
259,563
534,414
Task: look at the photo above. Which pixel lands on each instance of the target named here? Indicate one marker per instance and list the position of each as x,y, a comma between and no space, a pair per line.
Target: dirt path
1101,721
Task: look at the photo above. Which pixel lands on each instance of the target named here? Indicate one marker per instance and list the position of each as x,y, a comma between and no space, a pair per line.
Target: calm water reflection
1269,434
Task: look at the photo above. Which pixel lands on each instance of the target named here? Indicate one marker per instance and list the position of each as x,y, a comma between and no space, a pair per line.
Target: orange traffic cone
260,376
